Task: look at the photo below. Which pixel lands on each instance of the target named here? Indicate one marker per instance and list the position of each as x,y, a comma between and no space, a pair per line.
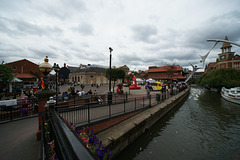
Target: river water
204,127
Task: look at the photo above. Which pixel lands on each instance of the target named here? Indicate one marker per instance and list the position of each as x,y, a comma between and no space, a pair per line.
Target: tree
224,77
129,78
6,75
170,70
116,74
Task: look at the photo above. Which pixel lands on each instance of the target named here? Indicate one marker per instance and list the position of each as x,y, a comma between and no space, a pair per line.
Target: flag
42,85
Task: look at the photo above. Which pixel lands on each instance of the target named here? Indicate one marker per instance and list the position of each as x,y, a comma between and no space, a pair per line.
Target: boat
232,94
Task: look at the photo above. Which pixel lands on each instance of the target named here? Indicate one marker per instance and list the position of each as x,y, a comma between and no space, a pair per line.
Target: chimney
64,64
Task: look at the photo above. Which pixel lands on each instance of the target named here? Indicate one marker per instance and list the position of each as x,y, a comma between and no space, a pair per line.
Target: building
87,75
27,71
125,68
64,74
174,72
226,59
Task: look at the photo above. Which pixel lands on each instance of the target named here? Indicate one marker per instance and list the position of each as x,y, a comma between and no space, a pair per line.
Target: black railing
18,108
67,145
59,141
86,113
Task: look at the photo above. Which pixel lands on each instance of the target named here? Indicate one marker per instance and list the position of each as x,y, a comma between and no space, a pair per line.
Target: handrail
69,145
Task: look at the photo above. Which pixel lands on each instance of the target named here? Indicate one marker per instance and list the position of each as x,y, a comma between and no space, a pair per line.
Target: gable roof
21,61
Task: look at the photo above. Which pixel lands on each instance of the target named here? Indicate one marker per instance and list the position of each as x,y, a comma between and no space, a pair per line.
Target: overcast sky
142,33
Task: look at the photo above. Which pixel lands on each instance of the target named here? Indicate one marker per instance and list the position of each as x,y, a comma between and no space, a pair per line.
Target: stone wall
121,135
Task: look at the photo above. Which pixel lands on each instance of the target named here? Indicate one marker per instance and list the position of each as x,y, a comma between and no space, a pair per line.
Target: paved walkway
18,140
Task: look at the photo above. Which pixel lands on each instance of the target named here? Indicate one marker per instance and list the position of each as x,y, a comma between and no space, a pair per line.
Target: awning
16,80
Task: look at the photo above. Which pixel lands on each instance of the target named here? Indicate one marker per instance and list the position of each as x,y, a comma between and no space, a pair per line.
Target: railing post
135,103
109,108
143,102
149,100
124,103
88,113
11,116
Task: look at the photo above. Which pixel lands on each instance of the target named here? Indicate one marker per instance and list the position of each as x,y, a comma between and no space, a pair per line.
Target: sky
141,33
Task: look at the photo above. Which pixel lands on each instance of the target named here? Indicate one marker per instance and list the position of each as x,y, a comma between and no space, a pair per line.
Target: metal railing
59,141
20,109
67,145
87,113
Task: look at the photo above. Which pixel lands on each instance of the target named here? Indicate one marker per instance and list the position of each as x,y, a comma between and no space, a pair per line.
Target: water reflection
204,127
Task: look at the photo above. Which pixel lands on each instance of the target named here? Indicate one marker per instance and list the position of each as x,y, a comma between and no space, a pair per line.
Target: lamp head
45,67
110,49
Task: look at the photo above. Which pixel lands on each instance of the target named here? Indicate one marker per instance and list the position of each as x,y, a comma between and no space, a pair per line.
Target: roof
225,44
165,77
73,69
25,75
22,61
164,68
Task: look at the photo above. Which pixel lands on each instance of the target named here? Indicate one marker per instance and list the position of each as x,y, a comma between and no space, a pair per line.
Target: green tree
6,76
116,74
224,77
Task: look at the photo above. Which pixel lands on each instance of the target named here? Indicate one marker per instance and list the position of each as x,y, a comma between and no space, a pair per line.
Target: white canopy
16,80
150,80
139,80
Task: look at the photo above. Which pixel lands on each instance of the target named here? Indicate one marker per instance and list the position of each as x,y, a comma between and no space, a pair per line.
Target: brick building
26,70
226,59
174,72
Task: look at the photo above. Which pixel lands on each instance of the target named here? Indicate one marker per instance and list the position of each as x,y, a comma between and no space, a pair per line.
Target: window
14,67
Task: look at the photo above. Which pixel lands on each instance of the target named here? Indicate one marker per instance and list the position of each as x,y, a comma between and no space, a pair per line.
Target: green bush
225,77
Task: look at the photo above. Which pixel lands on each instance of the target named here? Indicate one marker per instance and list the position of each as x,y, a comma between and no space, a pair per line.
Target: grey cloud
215,28
14,27
41,53
145,33
85,29
63,10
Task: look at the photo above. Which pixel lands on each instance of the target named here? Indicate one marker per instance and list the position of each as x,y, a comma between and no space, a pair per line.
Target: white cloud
141,33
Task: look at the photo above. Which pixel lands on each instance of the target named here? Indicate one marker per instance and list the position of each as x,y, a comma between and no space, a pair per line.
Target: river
204,127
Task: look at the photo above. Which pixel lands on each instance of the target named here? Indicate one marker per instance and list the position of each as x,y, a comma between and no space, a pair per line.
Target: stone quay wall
124,133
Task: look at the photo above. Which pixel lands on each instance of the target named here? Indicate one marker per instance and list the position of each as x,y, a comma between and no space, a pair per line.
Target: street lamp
45,68
56,69
110,69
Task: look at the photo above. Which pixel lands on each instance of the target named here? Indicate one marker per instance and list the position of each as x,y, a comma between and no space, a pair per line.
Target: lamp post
56,69
110,69
45,68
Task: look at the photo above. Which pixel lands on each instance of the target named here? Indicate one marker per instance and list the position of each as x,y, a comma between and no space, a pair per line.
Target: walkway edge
121,135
